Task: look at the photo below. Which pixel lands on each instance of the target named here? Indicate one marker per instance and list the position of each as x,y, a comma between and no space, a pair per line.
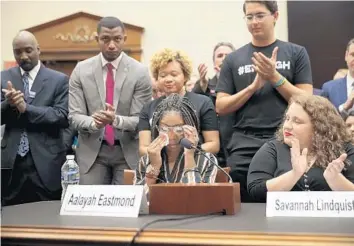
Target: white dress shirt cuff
344,113
93,126
341,108
118,122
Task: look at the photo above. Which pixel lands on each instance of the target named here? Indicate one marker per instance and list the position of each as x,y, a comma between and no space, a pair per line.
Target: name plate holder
182,199
105,200
310,204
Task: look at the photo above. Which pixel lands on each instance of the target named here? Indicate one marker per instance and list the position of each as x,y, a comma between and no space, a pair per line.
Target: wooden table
41,224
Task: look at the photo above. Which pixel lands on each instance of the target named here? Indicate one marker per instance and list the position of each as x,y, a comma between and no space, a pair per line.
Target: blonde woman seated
166,160
172,69
312,152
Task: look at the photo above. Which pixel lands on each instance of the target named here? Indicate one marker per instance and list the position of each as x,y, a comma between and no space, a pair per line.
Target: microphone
188,145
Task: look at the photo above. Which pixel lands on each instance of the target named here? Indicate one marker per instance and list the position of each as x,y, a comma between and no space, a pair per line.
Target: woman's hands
191,134
154,150
299,160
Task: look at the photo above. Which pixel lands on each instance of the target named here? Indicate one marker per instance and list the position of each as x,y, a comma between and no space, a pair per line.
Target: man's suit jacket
335,91
132,89
44,120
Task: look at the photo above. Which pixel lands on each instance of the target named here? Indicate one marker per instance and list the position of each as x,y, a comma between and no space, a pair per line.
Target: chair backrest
128,177
221,177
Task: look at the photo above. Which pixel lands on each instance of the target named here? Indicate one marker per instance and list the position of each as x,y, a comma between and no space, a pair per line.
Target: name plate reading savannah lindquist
310,204
105,200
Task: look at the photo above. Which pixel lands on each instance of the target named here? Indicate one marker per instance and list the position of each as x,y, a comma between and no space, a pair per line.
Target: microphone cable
142,228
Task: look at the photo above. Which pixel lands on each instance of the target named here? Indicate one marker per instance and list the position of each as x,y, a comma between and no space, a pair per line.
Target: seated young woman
171,70
166,160
312,152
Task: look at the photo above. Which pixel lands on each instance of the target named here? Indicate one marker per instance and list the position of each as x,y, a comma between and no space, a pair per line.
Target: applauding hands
334,169
104,117
299,160
265,68
15,97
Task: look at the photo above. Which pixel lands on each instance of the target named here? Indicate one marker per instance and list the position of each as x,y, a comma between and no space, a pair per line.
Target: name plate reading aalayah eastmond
103,200
310,204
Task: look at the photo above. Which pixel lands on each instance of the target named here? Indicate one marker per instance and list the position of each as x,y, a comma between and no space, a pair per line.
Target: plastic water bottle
70,174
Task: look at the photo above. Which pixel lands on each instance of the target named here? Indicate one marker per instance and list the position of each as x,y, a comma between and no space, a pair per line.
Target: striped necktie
23,147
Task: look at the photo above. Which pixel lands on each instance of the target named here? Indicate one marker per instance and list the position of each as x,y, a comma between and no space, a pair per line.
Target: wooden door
324,29
70,39
62,66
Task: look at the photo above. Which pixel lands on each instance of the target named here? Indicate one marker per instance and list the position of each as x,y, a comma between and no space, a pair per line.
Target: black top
265,109
203,105
225,121
273,159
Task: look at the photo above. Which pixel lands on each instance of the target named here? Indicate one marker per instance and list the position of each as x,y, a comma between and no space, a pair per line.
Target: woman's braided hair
175,103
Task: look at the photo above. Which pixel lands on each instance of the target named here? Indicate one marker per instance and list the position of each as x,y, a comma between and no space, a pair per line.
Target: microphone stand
215,164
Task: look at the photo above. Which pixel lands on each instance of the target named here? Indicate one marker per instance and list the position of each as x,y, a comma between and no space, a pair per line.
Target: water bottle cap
70,157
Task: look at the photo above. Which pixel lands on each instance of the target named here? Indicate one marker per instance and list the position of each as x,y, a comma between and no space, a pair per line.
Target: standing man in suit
341,91
106,95
34,107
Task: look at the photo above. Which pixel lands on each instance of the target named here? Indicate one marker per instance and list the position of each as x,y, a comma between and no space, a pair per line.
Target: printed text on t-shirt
280,65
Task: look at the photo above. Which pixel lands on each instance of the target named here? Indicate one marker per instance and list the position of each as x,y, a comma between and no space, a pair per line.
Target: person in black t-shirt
172,69
207,87
255,84
313,152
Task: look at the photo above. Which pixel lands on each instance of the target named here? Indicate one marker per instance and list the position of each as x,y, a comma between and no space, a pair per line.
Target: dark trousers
24,184
242,147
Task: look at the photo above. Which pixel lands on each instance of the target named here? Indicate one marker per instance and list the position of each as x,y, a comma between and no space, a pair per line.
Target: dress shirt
350,88
31,74
115,65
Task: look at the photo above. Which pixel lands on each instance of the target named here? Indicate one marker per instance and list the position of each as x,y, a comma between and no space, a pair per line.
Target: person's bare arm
226,103
144,142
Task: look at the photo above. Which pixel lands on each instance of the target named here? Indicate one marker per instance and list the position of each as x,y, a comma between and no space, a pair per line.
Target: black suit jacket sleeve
7,113
57,114
68,137
5,110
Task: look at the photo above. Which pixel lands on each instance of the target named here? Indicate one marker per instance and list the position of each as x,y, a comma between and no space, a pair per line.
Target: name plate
105,200
310,204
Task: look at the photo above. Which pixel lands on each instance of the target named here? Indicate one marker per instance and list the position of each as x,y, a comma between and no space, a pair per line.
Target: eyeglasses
175,129
258,17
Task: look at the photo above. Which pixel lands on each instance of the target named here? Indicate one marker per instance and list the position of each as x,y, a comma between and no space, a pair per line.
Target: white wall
192,26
